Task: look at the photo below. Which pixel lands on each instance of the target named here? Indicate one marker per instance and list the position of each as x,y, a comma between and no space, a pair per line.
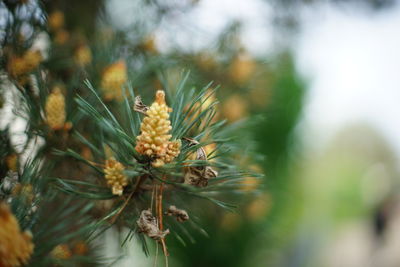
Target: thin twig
148,187
160,214
137,185
122,208
160,221
153,192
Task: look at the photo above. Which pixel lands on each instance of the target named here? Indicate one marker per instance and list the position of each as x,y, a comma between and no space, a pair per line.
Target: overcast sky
352,60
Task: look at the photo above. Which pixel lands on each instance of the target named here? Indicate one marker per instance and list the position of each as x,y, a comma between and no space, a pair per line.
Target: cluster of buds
112,80
154,140
16,247
55,109
20,66
65,251
114,174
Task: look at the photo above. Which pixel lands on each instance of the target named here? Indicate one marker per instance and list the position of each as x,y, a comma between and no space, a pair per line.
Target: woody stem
160,216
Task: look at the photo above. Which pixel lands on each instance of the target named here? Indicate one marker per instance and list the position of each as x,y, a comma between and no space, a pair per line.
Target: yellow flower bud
81,248
56,20
83,55
32,59
259,207
114,174
61,37
25,190
16,247
154,140
241,69
18,66
112,80
234,108
62,252
55,109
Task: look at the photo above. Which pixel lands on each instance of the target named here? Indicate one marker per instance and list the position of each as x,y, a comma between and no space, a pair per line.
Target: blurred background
317,80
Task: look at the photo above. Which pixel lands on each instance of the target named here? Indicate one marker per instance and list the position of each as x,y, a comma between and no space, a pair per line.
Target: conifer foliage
94,155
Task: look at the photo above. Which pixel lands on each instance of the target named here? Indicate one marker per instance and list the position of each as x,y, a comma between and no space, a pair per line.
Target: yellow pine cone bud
83,55
242,68
16,247
55,109
149,45
56,20
80,248
235,108
172,151
16,66
114,174
112,80
25,190
21,65
61,252
154,140
32,59
61,37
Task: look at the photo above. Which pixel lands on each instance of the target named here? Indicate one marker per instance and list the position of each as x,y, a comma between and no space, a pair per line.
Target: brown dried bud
16,247
181,215
139,106
147,224
199,175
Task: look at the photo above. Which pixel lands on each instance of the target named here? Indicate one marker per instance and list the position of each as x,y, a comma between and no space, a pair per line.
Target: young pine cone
19,66
83,55
114,76
62,252
16,247
55,110
154,140
114,174
55,20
